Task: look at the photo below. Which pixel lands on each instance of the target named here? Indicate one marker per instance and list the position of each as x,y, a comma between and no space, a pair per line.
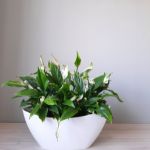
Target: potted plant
64,109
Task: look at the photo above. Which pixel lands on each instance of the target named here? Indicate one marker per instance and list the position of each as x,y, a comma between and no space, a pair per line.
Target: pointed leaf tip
78,60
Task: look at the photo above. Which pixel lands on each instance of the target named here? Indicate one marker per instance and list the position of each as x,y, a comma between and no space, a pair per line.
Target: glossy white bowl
77,133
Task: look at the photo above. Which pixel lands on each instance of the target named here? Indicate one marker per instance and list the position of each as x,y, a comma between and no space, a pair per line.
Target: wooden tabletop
16,136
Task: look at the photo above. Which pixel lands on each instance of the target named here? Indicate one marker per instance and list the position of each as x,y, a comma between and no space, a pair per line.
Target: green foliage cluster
56,92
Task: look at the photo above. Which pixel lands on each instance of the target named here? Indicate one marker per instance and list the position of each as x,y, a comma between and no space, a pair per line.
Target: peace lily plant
54,91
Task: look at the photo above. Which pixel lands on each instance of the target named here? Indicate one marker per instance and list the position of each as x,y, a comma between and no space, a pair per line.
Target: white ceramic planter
74,134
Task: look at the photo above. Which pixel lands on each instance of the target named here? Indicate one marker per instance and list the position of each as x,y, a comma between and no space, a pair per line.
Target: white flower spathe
88,69
106,79
92,81
64,72
86,86
27,84
42,68
42,99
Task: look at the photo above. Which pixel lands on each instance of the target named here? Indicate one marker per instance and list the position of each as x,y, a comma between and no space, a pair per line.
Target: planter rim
69,118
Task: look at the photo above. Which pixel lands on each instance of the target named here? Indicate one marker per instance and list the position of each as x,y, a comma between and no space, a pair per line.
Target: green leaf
68,102
25,103
51,100
46,83
77,61
31,80
114,94
105,95
42,113
53,87
35,110
54,109
42,79
39,80
27,92
92,101
78,83
64,88
68,113
56,75
99,81
105,112
12,83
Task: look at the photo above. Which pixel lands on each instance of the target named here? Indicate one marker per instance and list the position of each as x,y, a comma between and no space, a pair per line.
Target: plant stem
57,129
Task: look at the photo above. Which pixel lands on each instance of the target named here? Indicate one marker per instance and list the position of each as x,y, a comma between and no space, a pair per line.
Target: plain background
113,34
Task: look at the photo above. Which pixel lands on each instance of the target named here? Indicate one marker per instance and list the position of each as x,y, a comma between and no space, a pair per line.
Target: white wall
113,34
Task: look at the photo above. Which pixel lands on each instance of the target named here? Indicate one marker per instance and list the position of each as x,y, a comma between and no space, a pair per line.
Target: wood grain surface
16,136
